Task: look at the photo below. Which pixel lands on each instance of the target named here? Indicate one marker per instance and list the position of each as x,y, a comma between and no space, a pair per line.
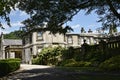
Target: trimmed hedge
9,65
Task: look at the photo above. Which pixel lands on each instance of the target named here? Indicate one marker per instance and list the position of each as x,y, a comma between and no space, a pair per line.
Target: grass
96,77
80,69
85,73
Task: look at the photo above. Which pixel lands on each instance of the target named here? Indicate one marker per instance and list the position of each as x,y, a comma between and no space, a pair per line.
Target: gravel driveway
40,72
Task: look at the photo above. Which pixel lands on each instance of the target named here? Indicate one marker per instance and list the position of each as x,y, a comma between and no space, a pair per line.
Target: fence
107,48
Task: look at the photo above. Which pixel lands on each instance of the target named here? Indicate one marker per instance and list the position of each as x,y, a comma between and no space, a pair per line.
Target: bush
112,64
73,63
84,64
49,56
69,54
9,65
68,63
36,60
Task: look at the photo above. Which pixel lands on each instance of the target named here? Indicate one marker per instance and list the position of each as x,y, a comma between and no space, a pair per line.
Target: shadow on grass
59,74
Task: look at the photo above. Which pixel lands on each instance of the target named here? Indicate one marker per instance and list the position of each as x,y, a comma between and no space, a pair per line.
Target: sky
86,21
78,21
16,18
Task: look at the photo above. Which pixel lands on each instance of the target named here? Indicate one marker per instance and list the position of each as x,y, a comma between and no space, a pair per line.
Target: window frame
70,40
39,37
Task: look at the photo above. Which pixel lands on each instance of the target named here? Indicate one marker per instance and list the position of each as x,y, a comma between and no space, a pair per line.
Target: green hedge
112,64
9,65
73,63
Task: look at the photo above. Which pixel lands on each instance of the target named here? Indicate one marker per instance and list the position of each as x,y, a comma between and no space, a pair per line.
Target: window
30,37
31,50
70,41
26,40
88,41
79,40
39,36
82,40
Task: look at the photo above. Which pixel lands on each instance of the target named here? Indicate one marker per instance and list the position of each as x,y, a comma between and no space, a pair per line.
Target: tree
57,12
5,8
112,28
14,35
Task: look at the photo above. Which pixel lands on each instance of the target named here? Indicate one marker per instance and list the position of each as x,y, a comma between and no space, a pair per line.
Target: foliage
58,12
113,28
69,53
6,6
73,63
67,63
9,65
112,64
14,35
96,56
49,56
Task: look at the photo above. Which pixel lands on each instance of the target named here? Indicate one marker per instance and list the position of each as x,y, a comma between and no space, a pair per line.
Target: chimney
89,31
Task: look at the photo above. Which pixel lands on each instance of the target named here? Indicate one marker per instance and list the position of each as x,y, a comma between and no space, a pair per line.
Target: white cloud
5,25
15,24
23,13
92,26
4,31
75,26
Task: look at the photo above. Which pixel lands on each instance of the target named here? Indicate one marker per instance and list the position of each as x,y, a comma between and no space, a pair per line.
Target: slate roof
12,42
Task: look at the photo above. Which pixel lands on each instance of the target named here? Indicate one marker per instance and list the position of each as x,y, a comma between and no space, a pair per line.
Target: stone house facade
34,42
10,48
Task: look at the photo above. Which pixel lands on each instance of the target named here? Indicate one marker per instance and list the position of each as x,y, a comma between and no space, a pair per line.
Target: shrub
9,65
112,64
82,64
68,63
49,56
69,54
73,63
36,60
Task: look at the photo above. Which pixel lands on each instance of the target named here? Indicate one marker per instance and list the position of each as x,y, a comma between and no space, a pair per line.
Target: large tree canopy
5,8
57,12
53,12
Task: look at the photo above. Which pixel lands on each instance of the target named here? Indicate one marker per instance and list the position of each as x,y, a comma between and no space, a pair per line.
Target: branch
113,9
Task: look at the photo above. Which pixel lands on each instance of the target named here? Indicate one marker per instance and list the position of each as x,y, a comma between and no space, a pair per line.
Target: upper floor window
39,35
30,37
82,40
70,40
26,40
79,40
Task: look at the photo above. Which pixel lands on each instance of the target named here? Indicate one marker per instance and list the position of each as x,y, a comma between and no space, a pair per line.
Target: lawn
95,77
90,74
